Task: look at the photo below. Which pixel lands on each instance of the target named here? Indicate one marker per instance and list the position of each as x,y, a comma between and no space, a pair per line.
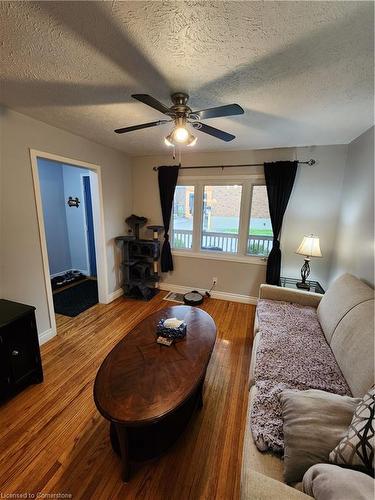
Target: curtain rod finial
155,169
311,162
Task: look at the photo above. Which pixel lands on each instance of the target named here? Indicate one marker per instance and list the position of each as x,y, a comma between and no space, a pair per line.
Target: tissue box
171,333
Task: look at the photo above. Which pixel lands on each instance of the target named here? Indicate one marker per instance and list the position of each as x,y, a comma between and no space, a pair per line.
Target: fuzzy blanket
292,354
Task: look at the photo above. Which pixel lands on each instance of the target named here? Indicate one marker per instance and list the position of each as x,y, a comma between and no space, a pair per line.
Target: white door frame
98,214
83,198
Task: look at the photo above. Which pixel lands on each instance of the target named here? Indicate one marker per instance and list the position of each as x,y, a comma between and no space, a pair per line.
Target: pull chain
174,154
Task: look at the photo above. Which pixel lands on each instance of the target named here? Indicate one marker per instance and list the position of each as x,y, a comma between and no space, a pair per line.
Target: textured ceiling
303,71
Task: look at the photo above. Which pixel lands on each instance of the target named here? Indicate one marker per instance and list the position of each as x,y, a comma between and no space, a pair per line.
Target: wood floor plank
53,440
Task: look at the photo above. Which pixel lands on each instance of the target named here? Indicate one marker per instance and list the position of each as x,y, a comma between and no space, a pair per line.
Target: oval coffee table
149,391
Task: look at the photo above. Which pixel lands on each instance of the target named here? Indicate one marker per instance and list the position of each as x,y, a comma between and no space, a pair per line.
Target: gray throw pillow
356,449
331,482
314,423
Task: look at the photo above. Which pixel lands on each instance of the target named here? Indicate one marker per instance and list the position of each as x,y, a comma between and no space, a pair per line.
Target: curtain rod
310,163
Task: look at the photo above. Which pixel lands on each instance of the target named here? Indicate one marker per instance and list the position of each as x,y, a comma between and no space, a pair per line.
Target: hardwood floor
53,440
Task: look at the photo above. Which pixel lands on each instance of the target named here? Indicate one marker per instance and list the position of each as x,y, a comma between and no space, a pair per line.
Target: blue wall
65,226
53,200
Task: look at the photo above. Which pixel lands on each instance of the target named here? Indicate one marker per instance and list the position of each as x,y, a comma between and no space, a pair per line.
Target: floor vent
175,297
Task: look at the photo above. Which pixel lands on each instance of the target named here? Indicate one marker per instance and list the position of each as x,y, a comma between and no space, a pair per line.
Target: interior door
90,224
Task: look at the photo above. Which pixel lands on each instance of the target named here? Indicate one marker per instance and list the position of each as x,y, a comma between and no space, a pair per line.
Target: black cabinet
20,363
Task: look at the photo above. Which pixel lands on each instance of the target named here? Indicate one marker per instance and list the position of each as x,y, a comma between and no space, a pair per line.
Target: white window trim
203,254
247,182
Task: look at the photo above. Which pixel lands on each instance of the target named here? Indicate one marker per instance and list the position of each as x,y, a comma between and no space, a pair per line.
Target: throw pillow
356,449
331,482
314,422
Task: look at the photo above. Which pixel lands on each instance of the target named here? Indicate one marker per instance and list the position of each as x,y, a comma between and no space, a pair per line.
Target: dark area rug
76,299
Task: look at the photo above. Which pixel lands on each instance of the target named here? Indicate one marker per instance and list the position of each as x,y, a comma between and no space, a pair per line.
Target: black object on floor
76,299
193,298
68,278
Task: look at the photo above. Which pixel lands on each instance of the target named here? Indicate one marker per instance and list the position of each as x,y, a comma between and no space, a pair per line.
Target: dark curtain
279,180
167,177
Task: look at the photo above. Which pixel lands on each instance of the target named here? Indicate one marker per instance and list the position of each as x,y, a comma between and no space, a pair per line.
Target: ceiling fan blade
215,132
227,110
151,101
139,127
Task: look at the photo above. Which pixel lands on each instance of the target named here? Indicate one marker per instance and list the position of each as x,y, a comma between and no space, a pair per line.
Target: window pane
182,217
260,230
221,218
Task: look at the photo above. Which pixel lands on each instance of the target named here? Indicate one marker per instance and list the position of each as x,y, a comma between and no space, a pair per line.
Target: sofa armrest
301,297
256,486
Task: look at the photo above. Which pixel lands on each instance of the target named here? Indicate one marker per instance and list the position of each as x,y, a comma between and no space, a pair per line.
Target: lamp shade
310,247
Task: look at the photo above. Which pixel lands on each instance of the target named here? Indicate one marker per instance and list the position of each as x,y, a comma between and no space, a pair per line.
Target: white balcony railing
222,242
219,242
182,239
259,245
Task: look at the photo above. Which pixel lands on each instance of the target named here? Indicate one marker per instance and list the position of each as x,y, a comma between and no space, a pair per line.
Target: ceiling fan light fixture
192,140
180,135
168,140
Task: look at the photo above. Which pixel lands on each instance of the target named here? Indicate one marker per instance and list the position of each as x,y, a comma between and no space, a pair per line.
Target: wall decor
73,202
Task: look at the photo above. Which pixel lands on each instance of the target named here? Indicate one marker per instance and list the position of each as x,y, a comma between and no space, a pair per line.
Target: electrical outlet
214,281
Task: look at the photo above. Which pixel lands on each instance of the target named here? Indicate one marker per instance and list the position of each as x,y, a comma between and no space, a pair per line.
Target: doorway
69,205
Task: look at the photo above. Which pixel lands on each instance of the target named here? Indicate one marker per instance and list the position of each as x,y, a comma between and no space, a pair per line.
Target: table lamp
310,248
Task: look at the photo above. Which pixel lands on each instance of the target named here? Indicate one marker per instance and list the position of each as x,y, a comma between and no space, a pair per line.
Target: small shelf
125,238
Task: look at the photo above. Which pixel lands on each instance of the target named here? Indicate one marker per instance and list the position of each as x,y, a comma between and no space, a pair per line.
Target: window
221,218
259,241
182,217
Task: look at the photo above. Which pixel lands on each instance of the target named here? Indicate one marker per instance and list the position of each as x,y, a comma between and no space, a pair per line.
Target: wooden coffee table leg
122,436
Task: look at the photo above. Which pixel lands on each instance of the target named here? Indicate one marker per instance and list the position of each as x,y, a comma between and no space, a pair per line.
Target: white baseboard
114,295
46,336
232,297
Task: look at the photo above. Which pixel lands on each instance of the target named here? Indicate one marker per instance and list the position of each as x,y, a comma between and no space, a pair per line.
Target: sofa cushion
353,346
256,325
314,423
330,482
345,293
356,449
256,486
253,360
253,460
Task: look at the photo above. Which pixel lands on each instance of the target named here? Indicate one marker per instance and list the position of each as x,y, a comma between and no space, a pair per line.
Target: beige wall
313,207
354,247
21,271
